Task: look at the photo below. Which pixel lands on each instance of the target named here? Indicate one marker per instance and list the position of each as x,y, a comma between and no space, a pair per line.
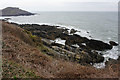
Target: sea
93,25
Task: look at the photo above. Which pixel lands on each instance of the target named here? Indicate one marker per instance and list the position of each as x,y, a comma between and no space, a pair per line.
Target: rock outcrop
14,11
87,46
112,43
53,32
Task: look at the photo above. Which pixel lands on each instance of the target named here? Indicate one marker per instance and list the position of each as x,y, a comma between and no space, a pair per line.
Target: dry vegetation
20,53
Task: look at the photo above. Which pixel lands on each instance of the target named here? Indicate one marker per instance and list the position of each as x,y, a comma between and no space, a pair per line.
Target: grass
11,70
34,38
38,42
43,49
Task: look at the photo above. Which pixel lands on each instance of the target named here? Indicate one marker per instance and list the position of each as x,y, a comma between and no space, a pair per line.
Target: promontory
14,11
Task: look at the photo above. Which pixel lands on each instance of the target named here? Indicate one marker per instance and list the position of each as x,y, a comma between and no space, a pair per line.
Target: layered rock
84,53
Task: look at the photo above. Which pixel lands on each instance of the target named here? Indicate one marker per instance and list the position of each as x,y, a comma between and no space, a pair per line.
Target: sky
62,5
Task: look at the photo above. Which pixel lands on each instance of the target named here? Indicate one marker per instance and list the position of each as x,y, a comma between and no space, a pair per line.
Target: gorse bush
35,39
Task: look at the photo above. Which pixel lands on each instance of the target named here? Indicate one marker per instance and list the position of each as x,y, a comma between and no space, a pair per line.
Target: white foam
60,41
84,44
113,53
99,65
75,45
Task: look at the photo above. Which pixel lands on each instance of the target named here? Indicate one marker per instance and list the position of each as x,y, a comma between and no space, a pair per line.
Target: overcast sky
62,5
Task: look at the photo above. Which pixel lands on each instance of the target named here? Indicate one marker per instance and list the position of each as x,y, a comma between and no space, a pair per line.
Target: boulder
113,43
72,31
66,32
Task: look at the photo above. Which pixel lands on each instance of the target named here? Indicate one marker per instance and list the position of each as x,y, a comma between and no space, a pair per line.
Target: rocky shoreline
76,48
25,55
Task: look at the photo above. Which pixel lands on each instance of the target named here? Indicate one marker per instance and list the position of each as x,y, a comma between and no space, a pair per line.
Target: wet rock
67,48
75,39
52,32
113,43
64,36
97,58
66,31
6,19
85,57
72,31
98,45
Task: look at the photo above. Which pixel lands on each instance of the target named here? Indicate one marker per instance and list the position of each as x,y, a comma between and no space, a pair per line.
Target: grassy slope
21,58
11,69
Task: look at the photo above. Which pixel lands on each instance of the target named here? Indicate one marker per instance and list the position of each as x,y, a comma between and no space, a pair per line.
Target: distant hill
14,11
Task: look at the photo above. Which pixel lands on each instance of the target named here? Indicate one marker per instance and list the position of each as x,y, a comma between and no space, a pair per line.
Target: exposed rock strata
87,52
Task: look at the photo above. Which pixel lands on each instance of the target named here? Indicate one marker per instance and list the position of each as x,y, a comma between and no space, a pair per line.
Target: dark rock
67,47
75,39
72,31
45,31
98,45
97,58
52,32
90,36
83,47
64,36
84,53
66,32
113,43
7,19
87,32
85,57
50,54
